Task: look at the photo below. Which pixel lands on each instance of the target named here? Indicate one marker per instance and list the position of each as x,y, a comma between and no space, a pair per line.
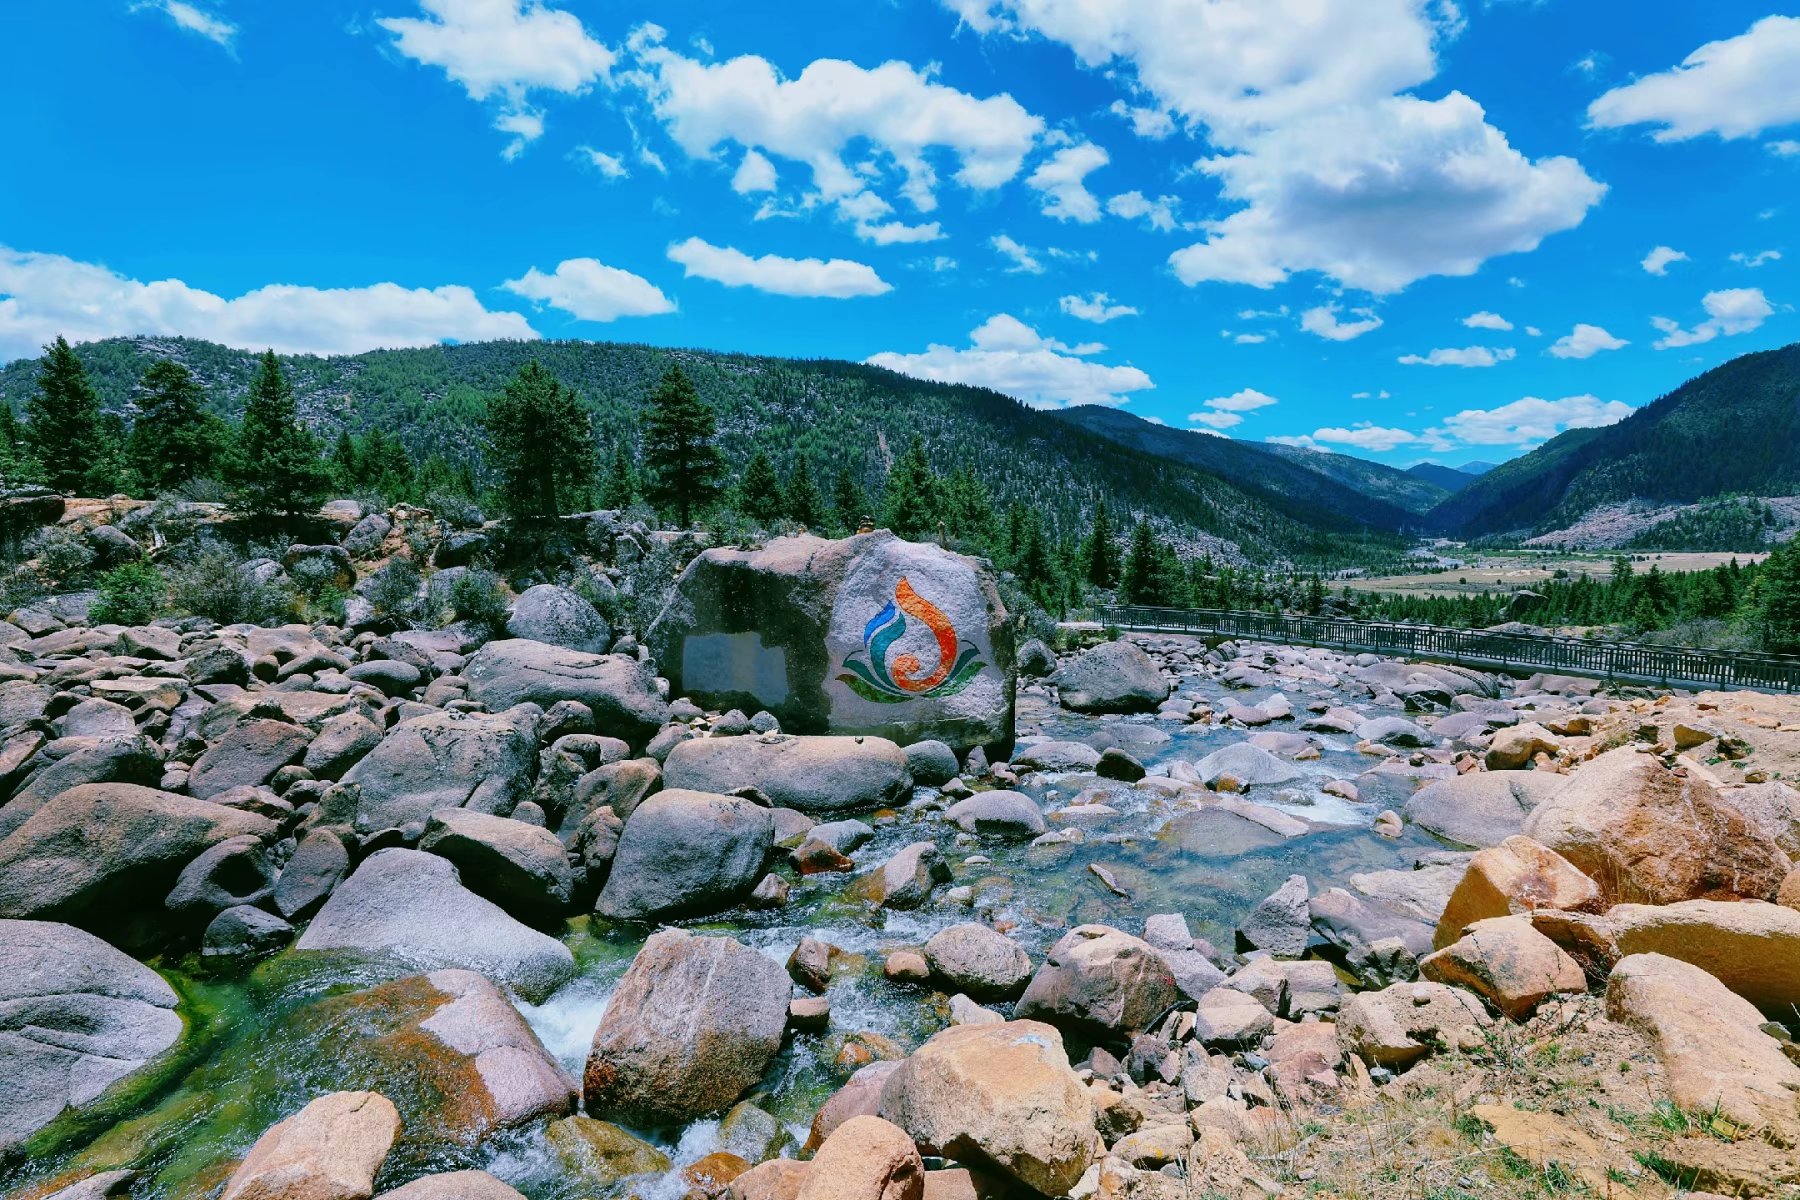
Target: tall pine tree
1100,555
620,487
542,444
759,491
911,505
805,503
849,503
278,471
1778,600
175,440
679,430
63,430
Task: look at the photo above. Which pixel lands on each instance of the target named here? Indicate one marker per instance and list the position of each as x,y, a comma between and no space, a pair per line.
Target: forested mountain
1295,481
831,415
1445,479
1730,432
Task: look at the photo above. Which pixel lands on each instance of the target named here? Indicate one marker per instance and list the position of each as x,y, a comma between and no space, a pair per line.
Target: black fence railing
1625,661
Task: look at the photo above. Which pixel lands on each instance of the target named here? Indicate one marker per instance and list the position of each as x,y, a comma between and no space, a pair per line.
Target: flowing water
263,1043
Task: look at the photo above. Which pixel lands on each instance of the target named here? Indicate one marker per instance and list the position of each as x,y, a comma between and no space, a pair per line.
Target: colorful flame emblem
871,676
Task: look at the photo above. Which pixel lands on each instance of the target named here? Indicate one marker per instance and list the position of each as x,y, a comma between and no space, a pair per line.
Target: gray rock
558,617
620,691
341,743
1036,659
1195,974
391,676
1003,814
408,910
1112,677
366,536
95,718
1483,808
685,852
522,868
842,836
1100,980
109,760
1056,756
1117,764
977,960
244,932
446,760
76,1016
318,865
810,774
620,786
233,872
1281,922
905,880
1249,765
931,763
1394,731
112,546
250,753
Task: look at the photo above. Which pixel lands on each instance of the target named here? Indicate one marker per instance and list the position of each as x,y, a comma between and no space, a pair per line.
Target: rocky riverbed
315,911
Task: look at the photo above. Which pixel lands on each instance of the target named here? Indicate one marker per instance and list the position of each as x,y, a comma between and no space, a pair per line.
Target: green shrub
130,594
210,581
393,591
476,597
63,556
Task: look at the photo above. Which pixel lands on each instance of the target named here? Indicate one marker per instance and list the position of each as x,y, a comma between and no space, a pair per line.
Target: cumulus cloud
1585,341
895,233
1468,356
836,279
1363,435
43,295
1024,259
754,174
1657,261
1158,213
1760,258
1097,308
1226,412
1531,420
1488,320
591,290
1062,180
1728,312
504,50
1785,148
193,19
1009,356
1735,88
1147,122
1324,322
609,165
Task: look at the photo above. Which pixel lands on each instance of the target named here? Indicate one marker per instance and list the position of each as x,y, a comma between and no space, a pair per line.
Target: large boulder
808,774
446,760
1482,808
76,1016
248,755
684,853
693,1022
409,909
621,691
556,616
1752,948
1517,876
1716,1058
522,868
868,634
980,961
1646,834
105,760
1100,980
865,1158
999,813
104,855
1508,963
1250,766
1401,1024
1113,677
329,1150
1001,1096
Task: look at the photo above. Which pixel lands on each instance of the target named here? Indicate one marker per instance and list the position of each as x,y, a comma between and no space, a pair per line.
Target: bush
393,591
63,556
458,512
648,583
130,594
476,597
210,581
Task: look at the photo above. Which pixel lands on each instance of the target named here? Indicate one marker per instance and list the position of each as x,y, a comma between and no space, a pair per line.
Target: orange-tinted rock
1517,876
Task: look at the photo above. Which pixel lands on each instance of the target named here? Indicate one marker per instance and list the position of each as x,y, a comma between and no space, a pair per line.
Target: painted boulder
864,635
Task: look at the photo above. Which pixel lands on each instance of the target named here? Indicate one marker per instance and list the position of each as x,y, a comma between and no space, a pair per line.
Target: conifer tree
1778,600
679,430
805,503
849,503
175,439
346,469
1100,556
278,470
968,506
14,457
759,491
63,431
620,486
542,444
1140,584
910,505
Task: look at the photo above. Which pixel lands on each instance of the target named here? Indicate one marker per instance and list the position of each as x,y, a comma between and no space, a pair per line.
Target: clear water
264,1043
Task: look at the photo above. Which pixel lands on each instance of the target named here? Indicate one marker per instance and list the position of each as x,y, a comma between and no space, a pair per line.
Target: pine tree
1036,573
1315,595
175,439
968,507
63,431
278,470
910,506
759,491
620,487
805,503
386,468
346,469
1140,583
542,444
1777,591
678,447
1100,557
14,457
849,504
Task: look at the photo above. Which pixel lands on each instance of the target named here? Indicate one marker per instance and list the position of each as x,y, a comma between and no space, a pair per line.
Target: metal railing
1624,661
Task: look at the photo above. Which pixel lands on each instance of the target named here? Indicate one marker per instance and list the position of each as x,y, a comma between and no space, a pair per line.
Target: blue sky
1397,228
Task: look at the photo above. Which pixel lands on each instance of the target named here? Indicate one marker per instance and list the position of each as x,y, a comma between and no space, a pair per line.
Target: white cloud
1760,258
1159,213
1062,178
193,19
1363,435
1585,341
1468,356
1009,356
1024,259
504,50
1324,322
1097,308
1488,320
896,233
1242,400
755,174
1657,261
837,279
1244,339
43,295
592,291
609,165
1728,312
1735,88
1216,420
1154,124
1785,148
1531,420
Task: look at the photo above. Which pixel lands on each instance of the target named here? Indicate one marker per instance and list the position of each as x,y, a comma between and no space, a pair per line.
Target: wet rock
1056,757
810,774
1004,814
905,880
329,1150
1482,808
752,1133
866,1158
1000,1096
810,964
446,760
318,865
244,932
685,852
1518,876
620,691
1281,923
694,1022
931,763
975,959
522,868
1395,731
906,966
1507,962
409,908
599,1155
1117,764
1400,1024
557,616
1753,949
846,837
1100,980
1113,677
1251,766
76,1016
454,1185
860,1096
